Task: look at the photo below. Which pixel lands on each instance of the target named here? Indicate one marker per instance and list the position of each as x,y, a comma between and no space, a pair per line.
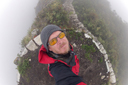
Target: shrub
55,14
23,66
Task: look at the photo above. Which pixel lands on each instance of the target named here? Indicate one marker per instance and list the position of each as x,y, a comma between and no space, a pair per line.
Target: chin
65,52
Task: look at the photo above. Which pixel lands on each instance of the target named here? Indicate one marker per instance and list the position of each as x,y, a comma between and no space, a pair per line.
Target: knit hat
46,32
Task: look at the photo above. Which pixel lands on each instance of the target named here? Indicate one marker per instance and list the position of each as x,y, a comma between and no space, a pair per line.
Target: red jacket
45,59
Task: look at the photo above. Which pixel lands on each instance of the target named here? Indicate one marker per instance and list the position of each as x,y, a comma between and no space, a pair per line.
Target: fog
121,8
16,17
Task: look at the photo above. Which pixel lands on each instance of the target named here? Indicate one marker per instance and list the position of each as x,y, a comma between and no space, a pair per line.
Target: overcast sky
16,17
121,7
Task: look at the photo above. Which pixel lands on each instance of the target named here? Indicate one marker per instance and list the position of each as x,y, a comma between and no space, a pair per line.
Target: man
56,51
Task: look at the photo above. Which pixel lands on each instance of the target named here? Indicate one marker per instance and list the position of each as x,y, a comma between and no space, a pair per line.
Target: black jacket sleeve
63,74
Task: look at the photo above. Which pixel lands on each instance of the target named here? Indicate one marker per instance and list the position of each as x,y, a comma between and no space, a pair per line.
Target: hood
44,58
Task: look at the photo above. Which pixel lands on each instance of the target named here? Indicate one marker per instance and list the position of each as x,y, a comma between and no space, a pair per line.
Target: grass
96,21
72,33
89,49
87,55
81,39
27,38
23,66
78,35
55,14
101,60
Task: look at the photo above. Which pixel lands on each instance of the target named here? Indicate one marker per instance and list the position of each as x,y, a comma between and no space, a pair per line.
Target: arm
63,75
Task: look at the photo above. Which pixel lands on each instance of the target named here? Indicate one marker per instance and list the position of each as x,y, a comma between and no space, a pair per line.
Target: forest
105,24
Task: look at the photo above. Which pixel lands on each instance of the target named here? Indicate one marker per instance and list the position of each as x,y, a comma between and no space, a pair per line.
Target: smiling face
62,45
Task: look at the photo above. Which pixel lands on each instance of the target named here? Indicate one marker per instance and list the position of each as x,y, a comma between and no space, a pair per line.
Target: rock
38,40
87,36
34,33
80,44
74,16
100,74
17,60
106,57
110,65
78,23
85,30
24,52
29,60
31,46
74,45
112,79
76,20
97,44
102,77
81,26
78,30
96,40
108,70
18,76
102,50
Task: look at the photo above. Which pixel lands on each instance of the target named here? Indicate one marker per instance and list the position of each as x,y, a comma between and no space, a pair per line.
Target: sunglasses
54,40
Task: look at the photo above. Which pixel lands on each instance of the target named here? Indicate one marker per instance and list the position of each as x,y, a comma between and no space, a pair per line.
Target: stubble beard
67,49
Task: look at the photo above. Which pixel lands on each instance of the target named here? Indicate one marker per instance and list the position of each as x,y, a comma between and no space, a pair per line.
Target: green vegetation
89,49
23,66
101,59
52,14
55,14
71,33
78,35
27,38
106,83
105,24
96,15
87,55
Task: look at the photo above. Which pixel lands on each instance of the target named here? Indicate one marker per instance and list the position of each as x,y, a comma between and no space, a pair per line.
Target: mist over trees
105,24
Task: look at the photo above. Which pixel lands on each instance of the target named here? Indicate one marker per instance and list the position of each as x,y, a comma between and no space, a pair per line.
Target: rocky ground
92,65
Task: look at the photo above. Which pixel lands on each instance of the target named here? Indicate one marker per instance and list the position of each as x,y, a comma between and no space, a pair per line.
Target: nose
59,41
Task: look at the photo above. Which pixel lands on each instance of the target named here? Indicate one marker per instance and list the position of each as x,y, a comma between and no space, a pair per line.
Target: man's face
62,45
